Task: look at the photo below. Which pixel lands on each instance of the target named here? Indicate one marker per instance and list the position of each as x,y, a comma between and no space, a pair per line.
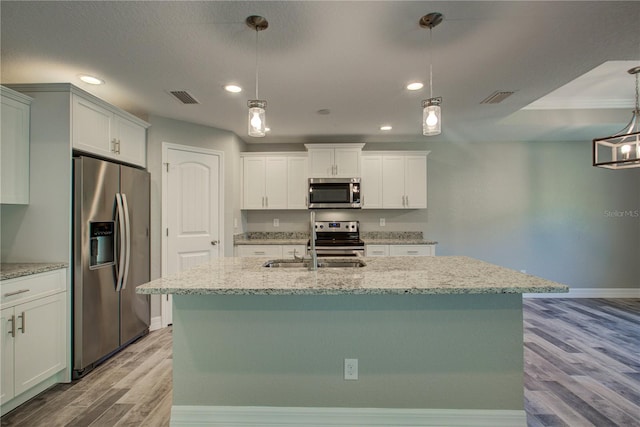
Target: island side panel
414,351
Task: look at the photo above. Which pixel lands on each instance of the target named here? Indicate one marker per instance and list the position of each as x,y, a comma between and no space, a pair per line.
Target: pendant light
622,150
431,112
257,118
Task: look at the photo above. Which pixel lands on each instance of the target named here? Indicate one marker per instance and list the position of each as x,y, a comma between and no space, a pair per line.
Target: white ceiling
351,57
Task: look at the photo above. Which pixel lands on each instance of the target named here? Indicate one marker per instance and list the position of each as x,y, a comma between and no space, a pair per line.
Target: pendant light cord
430,64
257,64
637,93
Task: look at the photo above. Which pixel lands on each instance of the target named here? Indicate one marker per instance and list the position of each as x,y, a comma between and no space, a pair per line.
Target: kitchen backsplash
301,235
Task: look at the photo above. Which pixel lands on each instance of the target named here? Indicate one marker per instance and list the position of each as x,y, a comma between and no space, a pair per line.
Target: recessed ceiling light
415,86
91,79
233,88
385,127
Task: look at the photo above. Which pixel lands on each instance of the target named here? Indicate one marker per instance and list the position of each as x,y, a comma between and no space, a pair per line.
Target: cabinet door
132,141
92,128
40,340
347,162
6,356
371,182
321,163
393,182
253,185
298,183
14,152
275,179
415,182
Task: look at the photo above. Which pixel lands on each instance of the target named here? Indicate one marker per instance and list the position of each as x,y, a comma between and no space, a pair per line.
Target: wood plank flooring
582,368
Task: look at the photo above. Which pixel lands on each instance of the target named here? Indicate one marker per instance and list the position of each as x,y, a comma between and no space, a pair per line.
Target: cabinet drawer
259,251
377,250
410,250
23,289
288,250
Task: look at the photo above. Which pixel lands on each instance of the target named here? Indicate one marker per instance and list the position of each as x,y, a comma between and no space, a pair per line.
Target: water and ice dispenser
102,241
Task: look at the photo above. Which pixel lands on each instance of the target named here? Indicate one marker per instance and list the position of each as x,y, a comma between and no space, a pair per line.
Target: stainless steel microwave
334,193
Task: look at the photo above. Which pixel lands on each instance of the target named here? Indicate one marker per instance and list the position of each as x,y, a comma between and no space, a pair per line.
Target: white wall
179,132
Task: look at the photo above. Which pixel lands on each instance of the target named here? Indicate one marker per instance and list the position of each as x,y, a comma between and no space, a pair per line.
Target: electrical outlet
383,222
276,222
350,369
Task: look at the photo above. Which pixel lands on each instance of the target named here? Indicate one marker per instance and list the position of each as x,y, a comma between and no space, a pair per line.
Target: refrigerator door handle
120,266
127,227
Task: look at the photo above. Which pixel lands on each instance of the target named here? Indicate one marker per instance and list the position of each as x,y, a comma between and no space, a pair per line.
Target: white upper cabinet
274,181
394,180
14,147
371,182
334,161
100,130
297,187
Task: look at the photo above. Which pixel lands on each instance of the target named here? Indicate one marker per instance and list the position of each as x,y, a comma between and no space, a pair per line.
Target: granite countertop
383,275
14,270
302,238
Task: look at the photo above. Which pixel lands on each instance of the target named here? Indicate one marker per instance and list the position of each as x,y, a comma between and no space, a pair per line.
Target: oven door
339,251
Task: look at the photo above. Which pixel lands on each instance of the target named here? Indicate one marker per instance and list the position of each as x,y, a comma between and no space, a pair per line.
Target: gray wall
534,206
179,132
413,351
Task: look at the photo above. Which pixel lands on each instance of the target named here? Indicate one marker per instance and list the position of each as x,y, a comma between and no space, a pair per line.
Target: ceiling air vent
496,97
184,96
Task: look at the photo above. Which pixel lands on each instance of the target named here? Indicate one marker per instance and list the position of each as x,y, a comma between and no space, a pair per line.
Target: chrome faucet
313,265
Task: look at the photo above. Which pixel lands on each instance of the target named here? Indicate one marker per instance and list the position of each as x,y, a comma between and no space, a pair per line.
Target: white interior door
192,211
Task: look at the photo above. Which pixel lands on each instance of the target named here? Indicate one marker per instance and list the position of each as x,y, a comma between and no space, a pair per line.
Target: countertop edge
14,270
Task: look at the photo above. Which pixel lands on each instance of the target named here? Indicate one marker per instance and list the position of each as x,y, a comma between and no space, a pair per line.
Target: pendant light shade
431,112
431,117
257,107
257,119
622,150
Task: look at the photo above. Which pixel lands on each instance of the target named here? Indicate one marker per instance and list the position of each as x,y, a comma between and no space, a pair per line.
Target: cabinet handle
21,291
12,331
266,201
412,252
263,201
214,242
22,316
258,252
306,200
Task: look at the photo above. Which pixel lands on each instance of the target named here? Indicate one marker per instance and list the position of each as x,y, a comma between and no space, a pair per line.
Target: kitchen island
438,342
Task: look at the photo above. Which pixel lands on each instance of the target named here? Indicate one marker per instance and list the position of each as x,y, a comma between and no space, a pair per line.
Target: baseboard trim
592,293
156,323
261,416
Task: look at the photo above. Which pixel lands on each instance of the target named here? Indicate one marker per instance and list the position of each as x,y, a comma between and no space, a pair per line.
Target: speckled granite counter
271,238
301,238
13,270
384,276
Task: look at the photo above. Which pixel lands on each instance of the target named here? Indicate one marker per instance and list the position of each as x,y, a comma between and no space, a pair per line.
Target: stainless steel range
338,238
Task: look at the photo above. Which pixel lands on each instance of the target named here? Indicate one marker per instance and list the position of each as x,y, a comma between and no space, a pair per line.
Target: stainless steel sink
330,263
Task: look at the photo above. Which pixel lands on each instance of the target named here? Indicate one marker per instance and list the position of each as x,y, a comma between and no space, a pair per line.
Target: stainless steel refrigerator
111,258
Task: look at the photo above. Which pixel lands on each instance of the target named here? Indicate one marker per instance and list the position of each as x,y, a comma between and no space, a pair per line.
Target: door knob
214,242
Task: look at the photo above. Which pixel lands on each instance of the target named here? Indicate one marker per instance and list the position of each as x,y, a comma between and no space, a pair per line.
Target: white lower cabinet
34,337
400,250
270,251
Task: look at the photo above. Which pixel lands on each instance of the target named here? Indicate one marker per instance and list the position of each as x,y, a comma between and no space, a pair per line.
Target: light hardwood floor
582,368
